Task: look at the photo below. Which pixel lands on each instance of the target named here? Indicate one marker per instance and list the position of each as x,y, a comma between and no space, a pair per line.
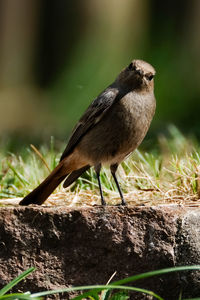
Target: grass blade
19,176
146,275
155,273
11,284
40,156
52,151
180,295
19,296
105,293
94,289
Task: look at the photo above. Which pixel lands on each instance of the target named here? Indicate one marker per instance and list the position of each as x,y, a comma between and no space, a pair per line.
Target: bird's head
138,75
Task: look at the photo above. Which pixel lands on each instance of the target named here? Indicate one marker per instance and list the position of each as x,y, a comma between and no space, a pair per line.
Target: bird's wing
92,116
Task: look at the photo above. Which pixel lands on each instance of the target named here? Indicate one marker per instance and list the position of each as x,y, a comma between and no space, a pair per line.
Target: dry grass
168,174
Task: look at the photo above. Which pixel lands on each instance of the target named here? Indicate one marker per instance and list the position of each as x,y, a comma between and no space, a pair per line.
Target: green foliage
168,172
97,292
10,285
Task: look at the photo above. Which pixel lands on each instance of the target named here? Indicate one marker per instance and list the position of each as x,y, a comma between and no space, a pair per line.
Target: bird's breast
133,115
120,131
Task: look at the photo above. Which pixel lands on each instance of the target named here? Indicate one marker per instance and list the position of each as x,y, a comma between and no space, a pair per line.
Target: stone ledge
87,245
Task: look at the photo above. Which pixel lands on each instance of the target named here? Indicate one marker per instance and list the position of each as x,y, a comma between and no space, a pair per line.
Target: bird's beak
139,72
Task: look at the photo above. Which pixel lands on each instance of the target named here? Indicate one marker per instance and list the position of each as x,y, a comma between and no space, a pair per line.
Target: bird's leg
113,169
97,170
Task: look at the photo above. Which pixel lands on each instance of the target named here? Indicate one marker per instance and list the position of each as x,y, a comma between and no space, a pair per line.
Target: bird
111,128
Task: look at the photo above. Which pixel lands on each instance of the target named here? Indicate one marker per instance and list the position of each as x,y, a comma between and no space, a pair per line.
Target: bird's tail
74,175
42,192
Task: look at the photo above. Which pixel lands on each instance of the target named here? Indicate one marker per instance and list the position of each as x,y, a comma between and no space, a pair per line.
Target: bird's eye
131,67
150,77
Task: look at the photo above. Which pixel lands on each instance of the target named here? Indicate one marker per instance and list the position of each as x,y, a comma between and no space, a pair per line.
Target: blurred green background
56,56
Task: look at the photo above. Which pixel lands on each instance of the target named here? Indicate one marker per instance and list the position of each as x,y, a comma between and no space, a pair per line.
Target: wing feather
91,117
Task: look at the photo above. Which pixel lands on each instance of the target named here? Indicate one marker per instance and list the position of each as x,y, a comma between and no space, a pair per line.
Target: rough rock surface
87,245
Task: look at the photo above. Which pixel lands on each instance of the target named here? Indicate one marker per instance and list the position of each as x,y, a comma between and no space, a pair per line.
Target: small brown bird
112,127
